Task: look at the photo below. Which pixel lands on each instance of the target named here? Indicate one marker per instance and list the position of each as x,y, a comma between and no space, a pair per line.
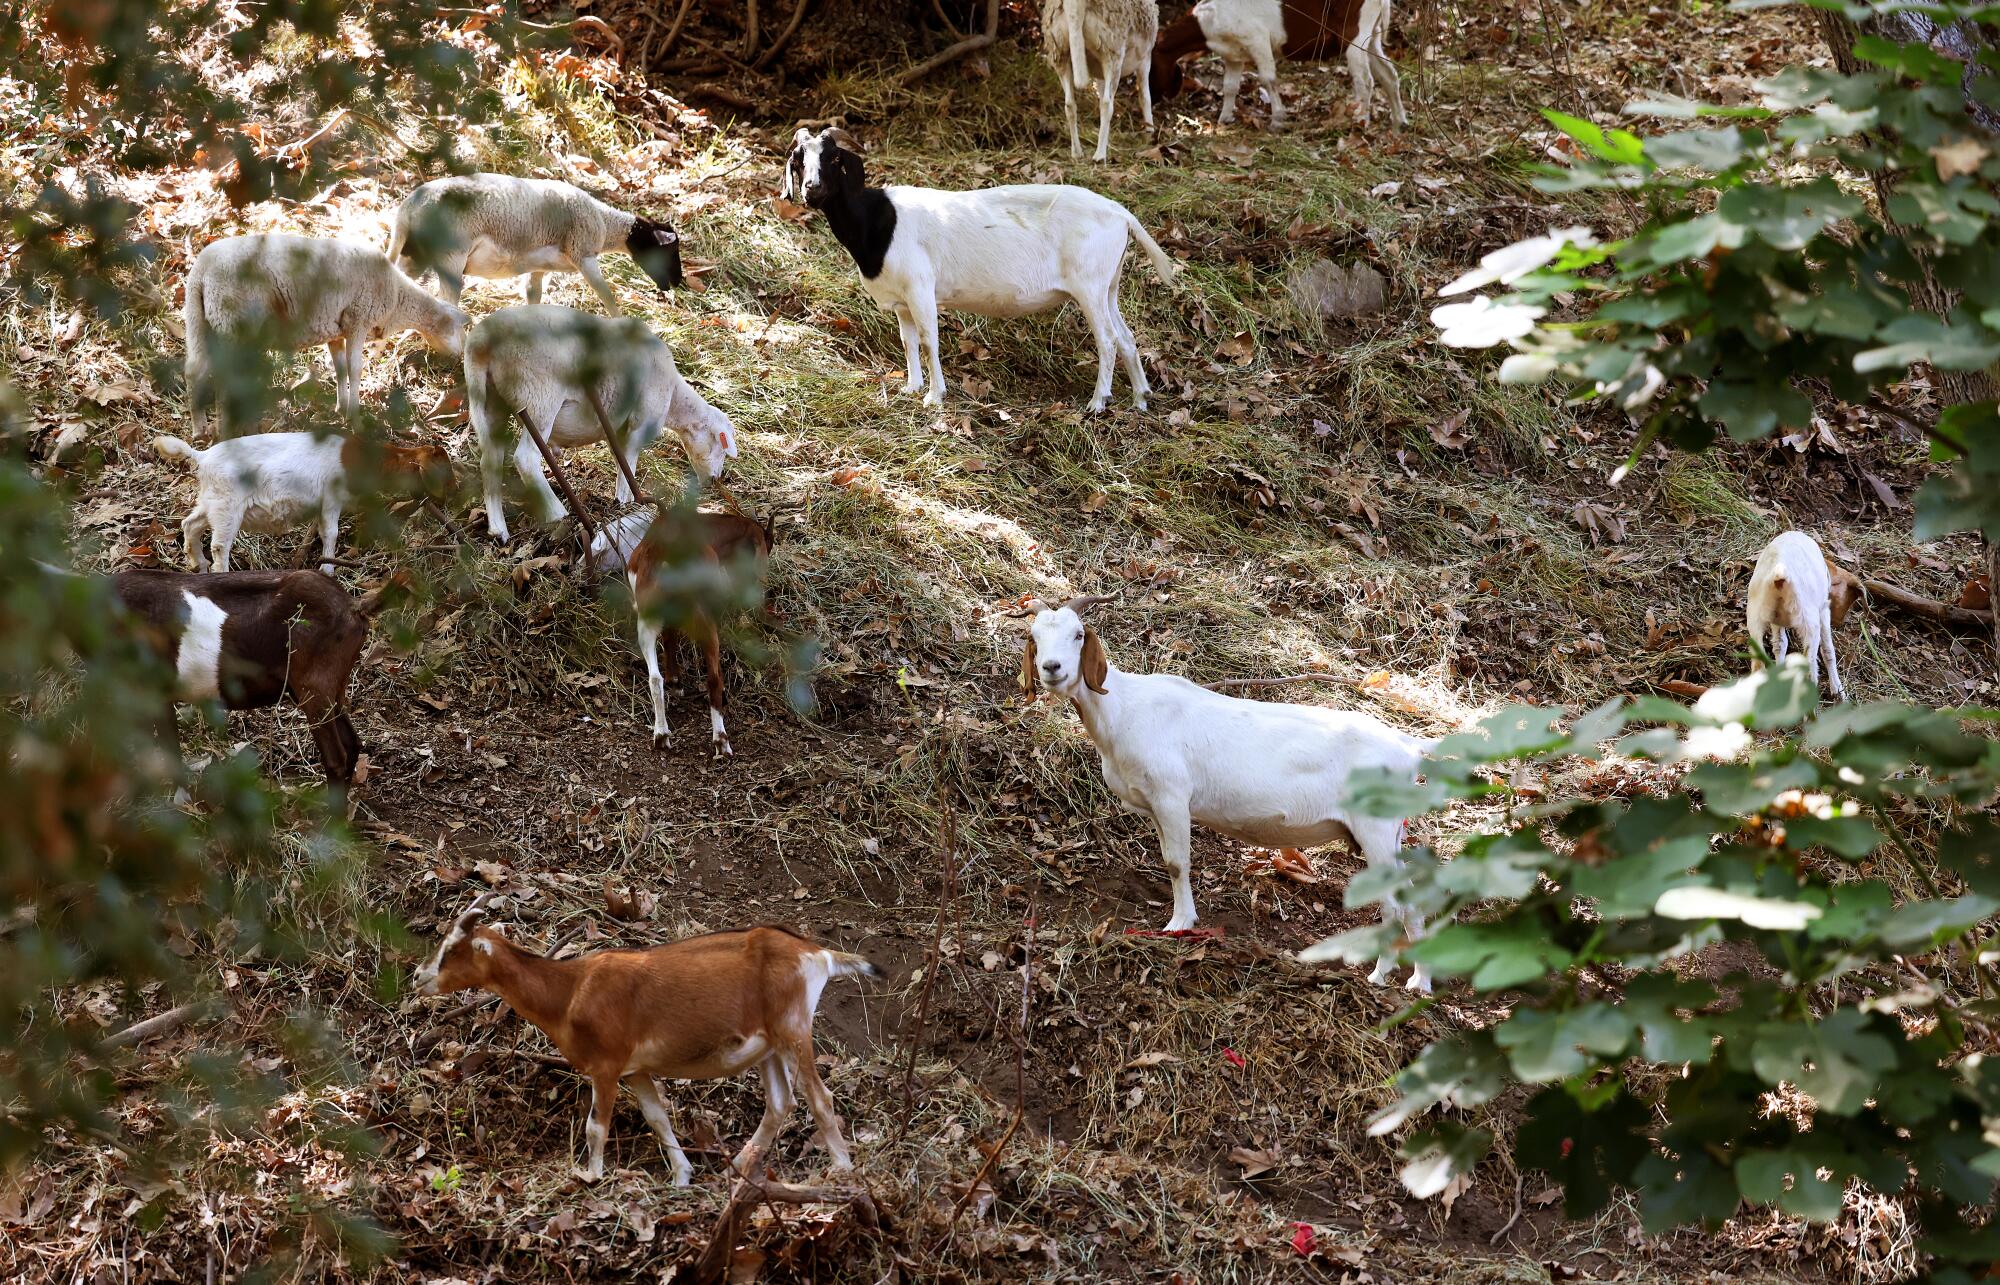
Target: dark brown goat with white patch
700,1009
250,638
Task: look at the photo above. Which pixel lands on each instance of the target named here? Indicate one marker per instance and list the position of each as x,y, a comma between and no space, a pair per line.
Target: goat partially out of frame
699,1009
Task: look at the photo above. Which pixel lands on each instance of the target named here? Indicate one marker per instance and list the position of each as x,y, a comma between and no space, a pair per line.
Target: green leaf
1787,218
1628,887
1697,238
1588,1148
1714,150
1653,1001
1752,411
1507,868
1853,912
1971,850
1850,837
1616,146
1465,1071
1741,789
1836,1062
1544,1045
1790,1180
1924,925
1495,955
1918,62
1920,338
1446,1152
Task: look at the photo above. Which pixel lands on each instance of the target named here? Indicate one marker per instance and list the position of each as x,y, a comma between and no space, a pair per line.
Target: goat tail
1079,65
1162,263
839,964
173,448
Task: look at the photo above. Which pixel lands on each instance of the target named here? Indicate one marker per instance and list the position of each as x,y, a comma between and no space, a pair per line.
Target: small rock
1331,290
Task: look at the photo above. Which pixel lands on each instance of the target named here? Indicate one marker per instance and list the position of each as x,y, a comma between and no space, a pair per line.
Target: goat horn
1086,601
841,138
1026,607
481,905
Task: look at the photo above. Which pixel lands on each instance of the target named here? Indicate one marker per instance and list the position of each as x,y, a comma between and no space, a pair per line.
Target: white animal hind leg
1267,72
329,535
222,536
1826,651
1102,332
1171,818
1145,79
1069,111
1232,80
818,1101
528,463
777,1105
1809,644
533,291
1128,349
1392,78
913,356
193,527
633,441
655,1111
597,1128
1360,70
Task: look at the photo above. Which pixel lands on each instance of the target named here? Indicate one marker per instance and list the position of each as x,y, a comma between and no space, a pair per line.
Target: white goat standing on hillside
549,362
1796,590
1102,41
300,291
1257,771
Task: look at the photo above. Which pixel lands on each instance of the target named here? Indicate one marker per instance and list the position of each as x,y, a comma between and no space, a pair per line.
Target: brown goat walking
700,1009
251,638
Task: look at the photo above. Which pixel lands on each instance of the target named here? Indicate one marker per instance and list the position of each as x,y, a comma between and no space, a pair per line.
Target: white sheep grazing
1101,41
275,290
546,362
270,483
998,252
1257,771
1245,34
1796,590
1367,61
497,225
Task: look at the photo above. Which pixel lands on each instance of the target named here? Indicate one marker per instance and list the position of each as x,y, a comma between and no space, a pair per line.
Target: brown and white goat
699,1009
633,543
250,638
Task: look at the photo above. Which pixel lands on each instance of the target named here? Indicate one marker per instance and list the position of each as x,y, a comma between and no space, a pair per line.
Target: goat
557,366
250,638
632,544
1796,590
497,225
297,291
1102,41
699,1009
1256,771
273,482
998,252
1301,31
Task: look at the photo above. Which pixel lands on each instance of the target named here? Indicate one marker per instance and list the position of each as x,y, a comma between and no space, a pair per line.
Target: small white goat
1257,771
998,252
1248,33
1100,41
1796,590
1368,61
296,291
272,482
549,362
497,225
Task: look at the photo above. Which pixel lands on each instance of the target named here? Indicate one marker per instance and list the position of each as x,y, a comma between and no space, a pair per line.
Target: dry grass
1293,510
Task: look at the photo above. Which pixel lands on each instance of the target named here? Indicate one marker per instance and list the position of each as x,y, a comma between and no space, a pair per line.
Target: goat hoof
584,1175
662,741
684,1177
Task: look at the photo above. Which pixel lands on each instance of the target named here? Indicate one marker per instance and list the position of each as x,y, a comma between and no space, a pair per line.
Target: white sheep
1102,41
270,483
274,290
998,252
1796,590
548,362
1257,771
497,225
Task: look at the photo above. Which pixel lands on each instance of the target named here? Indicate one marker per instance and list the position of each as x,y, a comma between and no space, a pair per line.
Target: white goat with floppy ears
1795,590
549,363
1256,771
998,252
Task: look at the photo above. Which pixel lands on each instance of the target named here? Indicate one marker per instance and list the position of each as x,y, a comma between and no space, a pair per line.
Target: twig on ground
933,959
1520,1184
1929,608
140,1032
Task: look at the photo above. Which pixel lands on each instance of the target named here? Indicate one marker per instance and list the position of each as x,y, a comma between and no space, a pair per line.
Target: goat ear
1095,667
1028,666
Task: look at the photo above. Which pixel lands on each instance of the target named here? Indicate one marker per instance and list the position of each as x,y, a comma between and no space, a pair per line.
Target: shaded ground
1340,495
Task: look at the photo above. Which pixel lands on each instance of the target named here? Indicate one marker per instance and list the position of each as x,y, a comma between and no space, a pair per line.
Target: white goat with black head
998,252
497,225
558,367
1258,772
